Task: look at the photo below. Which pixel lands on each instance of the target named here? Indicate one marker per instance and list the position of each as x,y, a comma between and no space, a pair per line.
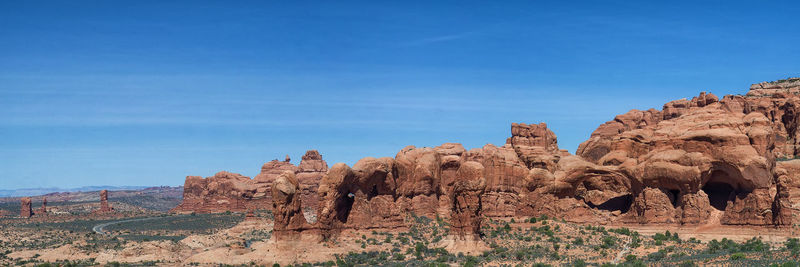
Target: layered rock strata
25,207
693,161
226,191
105,207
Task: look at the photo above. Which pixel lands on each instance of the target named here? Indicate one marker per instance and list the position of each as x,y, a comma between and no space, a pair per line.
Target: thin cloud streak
439,39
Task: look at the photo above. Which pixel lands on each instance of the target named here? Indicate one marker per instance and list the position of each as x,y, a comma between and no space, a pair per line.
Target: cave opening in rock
344,205
725,183
373,192
621,203
718,194
673,195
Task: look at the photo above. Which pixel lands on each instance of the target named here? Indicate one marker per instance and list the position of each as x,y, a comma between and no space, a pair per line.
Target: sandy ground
229,246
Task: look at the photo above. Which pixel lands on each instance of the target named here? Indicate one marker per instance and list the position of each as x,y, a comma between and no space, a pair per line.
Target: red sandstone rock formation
690,161
467,191
25,208
105,207
43,210
287,208
309,173
704,155
224,191
227,191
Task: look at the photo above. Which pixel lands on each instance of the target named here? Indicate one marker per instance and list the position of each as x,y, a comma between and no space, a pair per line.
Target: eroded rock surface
287,207
693,161
227,191
25,208
104,205
43,209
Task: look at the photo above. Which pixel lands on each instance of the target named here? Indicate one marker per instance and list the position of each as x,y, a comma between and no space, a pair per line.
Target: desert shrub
399,256
737,256
657,256
752,245
786,264
608,242
622,231
578,263
793,245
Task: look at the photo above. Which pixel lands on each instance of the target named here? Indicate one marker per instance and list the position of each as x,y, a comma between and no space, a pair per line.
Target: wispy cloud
439,39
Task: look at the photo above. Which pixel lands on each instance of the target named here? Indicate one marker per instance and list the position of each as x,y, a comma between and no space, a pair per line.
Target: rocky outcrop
696,160
263,181
25,210
105,207
705,149
227,191
466,196
43,210
309,173
224,191
286,206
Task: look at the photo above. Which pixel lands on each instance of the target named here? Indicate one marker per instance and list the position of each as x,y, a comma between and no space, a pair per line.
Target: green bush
657,256
793,245
737,256
578,263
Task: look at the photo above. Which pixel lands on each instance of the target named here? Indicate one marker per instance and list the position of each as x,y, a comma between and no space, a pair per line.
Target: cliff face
227,191
683,164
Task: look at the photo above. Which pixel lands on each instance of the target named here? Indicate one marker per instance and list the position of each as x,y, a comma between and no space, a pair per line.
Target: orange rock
287,208
25,207
104,205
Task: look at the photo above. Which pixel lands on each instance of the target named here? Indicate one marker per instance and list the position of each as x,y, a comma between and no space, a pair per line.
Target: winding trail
99,228
622,252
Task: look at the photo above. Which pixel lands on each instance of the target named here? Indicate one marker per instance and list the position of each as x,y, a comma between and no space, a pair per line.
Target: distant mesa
698,158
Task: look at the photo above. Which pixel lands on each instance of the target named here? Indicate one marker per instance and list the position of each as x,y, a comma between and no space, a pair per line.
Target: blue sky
147,92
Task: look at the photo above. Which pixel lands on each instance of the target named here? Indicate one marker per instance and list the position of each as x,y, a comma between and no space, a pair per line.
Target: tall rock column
286,206
43,211
104,206
309,173
25,208
467,191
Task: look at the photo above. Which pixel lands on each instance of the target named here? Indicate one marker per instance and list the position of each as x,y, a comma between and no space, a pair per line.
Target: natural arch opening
674,195
718,194
343,206
621,203
723,183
